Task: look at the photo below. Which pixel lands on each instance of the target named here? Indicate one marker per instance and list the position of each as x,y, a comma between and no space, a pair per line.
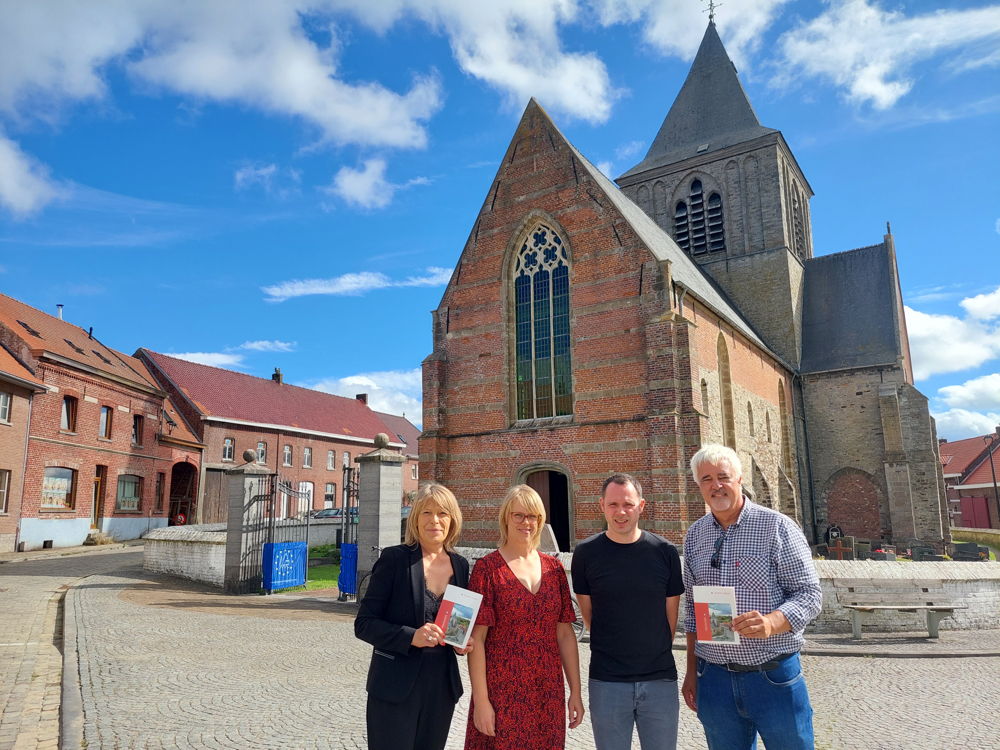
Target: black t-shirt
628,585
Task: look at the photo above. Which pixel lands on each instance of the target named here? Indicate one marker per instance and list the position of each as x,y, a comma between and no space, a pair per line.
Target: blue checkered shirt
765,557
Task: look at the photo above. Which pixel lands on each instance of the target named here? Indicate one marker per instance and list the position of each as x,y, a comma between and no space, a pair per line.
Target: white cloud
605,167
249,52
958,424
945,343
215,359
365,187
512,45
25,186
676,27
275,181
268,346
983,306
979,393
630,149
352,284
391,391
871,52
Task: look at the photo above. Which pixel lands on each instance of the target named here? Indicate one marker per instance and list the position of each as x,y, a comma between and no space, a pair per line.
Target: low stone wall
198,553
989,537
974,584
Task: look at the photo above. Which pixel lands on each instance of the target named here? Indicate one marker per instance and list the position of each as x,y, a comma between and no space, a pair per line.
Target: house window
287,456
58,487
262,453
413,471
137,421
330,495
541,323
4,489
4,407
695,230
129,493
331,460
104,429
307,458
161,482
347,459
305,499
228,448
68,419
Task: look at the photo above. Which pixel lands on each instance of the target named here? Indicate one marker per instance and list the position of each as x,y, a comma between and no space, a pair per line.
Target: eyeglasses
717,555
522,517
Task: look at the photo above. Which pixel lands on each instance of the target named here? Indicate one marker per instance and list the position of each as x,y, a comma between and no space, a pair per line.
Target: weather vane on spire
712,5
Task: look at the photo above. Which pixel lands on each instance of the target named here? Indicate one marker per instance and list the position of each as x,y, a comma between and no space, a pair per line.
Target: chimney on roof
363,398
90,333
59,308
278,377
942,441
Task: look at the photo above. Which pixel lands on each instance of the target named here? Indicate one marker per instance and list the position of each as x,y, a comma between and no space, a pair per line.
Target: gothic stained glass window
541,326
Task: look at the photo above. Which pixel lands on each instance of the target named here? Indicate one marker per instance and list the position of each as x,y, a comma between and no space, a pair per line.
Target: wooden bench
902,596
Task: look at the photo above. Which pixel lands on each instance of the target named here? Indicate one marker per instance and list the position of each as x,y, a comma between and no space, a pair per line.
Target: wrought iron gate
274,513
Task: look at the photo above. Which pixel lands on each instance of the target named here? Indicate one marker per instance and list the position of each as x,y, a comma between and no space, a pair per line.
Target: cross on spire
712,5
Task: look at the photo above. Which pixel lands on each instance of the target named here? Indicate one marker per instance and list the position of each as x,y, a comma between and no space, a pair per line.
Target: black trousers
422,721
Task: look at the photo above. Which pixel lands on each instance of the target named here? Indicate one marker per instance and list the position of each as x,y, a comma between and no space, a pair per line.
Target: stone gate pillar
380,498
242,482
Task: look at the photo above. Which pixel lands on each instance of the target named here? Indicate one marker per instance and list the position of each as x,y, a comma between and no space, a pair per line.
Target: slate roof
711,109
684,270
226,394
11,369
850,312
42,332
401,429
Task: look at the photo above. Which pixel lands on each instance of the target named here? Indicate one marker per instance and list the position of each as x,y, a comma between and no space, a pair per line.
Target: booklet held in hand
714,610
457,614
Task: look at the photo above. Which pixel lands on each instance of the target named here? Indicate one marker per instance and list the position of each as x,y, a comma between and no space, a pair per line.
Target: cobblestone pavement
167,664
31,596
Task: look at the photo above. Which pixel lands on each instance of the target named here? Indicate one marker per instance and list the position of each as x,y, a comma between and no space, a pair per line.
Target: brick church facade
591,327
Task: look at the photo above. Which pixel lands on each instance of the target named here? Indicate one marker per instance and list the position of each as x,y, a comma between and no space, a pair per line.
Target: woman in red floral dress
524,624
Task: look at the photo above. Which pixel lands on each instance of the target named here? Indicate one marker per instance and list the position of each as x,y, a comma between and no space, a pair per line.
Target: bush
326,550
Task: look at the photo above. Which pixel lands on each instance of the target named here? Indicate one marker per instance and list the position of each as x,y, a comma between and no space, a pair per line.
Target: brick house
590,327
18,388
99,455
306,436
971,470
403,430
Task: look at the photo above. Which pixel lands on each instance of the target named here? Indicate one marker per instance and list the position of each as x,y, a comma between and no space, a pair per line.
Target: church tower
730,193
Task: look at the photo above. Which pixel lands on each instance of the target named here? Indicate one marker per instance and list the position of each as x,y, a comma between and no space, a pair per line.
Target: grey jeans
652,707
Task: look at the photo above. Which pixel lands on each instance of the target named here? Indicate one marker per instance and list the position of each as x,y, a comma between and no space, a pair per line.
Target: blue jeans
617,707
735,706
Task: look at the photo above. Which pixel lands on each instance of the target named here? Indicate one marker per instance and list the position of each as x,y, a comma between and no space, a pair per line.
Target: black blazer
393,608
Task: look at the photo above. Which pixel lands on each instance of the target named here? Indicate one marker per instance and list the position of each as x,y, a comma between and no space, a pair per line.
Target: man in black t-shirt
628,583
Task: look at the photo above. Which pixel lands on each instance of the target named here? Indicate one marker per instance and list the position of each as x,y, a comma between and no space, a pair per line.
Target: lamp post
991,441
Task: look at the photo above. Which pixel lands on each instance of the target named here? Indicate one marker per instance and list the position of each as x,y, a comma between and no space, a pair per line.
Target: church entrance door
553,487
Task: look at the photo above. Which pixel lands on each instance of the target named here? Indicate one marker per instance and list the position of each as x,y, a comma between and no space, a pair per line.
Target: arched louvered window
699,228
541,323
696,206
798,225
682,234
716,227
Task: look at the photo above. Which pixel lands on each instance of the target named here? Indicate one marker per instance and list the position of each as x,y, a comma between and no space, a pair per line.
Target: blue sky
258,184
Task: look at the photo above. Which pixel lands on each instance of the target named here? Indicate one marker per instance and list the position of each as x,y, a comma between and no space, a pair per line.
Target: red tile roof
959,455
225,394
10,366
403,430
42,332
174,426
982,474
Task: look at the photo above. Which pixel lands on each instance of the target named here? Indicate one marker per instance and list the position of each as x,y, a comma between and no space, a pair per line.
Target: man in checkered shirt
755,687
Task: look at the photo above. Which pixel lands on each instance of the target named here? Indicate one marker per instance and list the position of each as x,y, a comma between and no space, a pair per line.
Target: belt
765,667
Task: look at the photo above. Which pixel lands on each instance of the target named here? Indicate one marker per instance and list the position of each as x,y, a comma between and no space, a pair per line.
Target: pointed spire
711,111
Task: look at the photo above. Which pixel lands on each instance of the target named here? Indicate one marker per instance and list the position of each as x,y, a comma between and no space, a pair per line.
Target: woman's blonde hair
441,496
532,502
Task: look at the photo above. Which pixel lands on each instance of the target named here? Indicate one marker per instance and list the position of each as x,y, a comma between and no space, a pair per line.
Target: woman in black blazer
413,680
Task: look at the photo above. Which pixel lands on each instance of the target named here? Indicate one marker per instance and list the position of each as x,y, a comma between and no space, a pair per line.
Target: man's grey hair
714,454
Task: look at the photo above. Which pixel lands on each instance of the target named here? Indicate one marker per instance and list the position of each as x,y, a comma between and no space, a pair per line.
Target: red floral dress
523,667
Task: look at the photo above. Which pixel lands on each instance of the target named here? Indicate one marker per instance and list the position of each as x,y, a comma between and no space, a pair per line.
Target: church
591,327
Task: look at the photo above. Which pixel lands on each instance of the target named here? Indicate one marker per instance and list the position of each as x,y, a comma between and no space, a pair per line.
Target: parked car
329,513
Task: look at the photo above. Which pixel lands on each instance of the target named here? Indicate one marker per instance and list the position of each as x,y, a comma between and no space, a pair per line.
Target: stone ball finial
249,455
381,440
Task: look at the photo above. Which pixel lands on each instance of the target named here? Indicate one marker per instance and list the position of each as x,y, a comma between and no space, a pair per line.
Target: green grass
322,577
993,550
